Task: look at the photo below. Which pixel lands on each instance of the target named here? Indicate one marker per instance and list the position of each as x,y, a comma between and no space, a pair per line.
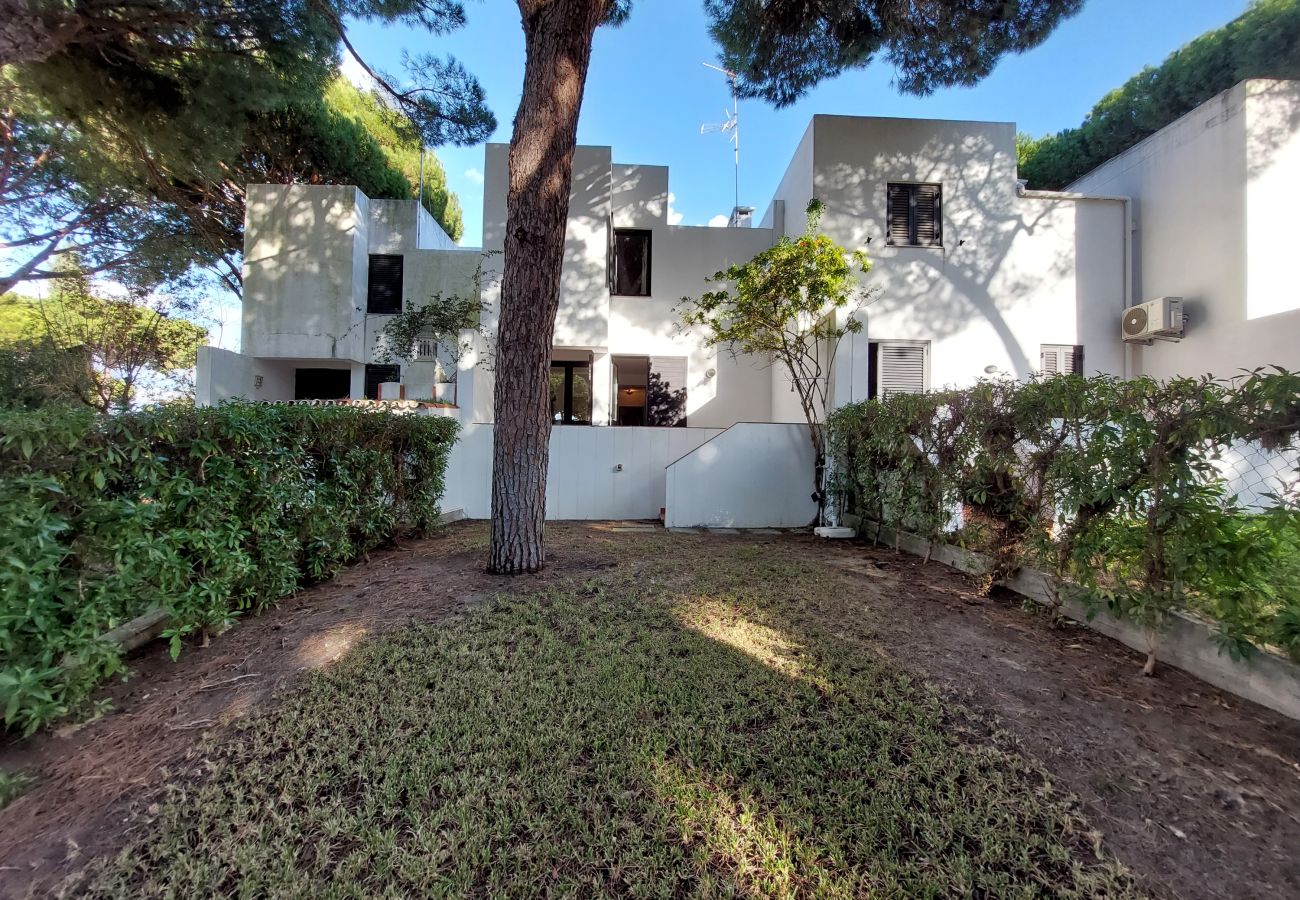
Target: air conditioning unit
1161,319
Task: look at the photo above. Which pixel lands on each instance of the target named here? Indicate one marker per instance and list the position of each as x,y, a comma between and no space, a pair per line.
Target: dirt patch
1196,791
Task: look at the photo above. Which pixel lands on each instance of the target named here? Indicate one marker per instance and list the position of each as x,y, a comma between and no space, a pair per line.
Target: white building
975,276
1211,199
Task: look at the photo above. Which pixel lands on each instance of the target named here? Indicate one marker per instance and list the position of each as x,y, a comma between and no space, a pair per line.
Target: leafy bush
1264,42
1117,485
206,513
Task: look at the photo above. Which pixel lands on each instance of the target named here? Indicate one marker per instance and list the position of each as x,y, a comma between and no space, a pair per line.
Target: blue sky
648,93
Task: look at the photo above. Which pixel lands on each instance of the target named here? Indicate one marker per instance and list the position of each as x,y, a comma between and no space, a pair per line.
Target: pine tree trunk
558,37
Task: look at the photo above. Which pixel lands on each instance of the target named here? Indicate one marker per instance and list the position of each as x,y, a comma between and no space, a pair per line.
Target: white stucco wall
221,374
1212,195
787,210
302,247
424,274
583,316
682,259
1013,272
1272,192
583,480
607,194
306,270
753,475
402,226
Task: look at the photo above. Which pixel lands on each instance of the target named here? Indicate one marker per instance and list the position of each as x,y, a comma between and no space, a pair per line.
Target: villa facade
973,276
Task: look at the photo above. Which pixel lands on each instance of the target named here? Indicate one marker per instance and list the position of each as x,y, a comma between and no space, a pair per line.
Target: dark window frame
648,234
913,189
308,382
374,374
374,286
569,365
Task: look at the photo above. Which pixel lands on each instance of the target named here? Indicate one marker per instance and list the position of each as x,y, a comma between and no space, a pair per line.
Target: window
630,263
898,367
377,375
1061,359
570,392
384,289
321,384
915,216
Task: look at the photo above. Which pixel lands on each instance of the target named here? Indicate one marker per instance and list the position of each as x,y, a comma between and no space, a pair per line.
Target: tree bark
558,36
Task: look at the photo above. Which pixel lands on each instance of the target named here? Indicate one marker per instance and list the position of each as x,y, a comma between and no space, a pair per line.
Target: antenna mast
419,196
732,126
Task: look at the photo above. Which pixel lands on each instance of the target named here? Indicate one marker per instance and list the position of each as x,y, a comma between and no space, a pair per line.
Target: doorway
570,391
380,374
631,378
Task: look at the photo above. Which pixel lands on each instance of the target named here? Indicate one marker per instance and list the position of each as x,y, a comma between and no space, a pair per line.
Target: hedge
206,513
1124,487
1263,42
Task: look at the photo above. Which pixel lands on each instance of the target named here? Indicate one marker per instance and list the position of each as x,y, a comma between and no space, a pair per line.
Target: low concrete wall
753,475
1186,643
221,374
594,472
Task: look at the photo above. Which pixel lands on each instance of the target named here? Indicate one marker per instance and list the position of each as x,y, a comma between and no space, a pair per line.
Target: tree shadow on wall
665,406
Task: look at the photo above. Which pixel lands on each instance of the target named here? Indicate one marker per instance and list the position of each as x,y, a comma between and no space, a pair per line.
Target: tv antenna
731,127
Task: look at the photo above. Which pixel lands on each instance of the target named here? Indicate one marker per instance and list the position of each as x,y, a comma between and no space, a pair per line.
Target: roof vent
741,217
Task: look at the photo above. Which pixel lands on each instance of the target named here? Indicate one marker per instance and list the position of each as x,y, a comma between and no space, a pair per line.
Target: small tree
103,346
441,320
794,303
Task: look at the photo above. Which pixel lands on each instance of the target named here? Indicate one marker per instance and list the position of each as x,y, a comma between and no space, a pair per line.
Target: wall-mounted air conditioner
1159,319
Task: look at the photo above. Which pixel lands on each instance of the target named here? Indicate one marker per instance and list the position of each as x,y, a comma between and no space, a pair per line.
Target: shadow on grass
642,732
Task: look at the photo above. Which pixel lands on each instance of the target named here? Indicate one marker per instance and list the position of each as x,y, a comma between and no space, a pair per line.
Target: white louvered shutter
666,393
1051,361
903,368
1060,359
1072,360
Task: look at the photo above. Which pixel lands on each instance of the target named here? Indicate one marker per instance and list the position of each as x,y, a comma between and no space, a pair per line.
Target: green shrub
1116,485
1263,42
207,513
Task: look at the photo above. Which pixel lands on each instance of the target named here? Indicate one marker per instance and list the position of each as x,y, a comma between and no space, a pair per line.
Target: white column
601,384
466,375
852,364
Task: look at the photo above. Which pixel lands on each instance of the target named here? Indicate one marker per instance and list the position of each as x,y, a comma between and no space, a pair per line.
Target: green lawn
643,732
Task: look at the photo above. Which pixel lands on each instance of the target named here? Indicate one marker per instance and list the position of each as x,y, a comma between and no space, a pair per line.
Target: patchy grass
642,732
12,786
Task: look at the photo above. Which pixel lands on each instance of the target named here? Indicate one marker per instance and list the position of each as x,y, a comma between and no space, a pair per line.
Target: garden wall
1186,643
594,473
753,475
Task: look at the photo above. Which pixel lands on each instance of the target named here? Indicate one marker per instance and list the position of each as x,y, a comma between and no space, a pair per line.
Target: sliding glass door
570,393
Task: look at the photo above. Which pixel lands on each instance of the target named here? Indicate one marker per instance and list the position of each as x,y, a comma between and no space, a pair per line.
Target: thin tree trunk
558,37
